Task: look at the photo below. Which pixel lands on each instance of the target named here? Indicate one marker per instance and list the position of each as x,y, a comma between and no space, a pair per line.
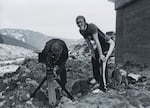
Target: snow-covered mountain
35,39
12,41
32,38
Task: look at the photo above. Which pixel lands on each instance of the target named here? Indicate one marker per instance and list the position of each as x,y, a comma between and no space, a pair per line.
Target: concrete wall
133,33
121,3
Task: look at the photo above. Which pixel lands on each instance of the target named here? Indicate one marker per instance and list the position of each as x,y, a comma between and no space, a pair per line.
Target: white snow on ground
16,61
134,76
12,56
9,52
8,69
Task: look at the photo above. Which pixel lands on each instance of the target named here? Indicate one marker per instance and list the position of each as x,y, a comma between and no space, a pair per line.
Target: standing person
55,55
101,47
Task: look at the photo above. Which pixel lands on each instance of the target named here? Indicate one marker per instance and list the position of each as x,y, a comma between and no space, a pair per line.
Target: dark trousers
63,79
63,75
97,69
61,72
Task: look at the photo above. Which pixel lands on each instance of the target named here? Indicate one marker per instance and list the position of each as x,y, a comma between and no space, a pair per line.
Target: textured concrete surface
133,34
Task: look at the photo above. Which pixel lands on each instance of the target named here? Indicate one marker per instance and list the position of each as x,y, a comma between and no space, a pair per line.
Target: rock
135,102
84,105
29,102
65,100
143,99
97,91
66,106
29,81
123,72
148,82
122,105
136,77
2,103
93,81
22,95
81,86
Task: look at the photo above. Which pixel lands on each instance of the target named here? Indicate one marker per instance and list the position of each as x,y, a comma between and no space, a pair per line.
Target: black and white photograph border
74,54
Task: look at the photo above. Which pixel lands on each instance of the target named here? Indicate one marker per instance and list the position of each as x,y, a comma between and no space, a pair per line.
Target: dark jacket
47,50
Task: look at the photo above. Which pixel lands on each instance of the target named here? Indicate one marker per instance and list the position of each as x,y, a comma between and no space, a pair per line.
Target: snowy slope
12,56
12,41
33,38
9,52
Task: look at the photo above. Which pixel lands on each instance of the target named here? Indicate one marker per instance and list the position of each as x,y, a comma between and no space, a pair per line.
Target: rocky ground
16,87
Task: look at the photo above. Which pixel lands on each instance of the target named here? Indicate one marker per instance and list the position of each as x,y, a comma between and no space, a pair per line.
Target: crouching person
55,55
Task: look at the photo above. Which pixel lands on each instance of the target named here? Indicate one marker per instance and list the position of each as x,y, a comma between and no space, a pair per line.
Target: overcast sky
56,17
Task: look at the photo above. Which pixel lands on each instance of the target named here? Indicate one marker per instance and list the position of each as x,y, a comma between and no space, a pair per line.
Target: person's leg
98,70
95,67
101,76
106,73
63,74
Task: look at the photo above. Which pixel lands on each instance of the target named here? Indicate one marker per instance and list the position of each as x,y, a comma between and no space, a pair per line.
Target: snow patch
134,76
16,61
9,52
8,69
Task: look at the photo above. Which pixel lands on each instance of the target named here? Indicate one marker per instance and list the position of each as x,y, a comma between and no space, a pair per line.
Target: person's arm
111,47
90,47
101,56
